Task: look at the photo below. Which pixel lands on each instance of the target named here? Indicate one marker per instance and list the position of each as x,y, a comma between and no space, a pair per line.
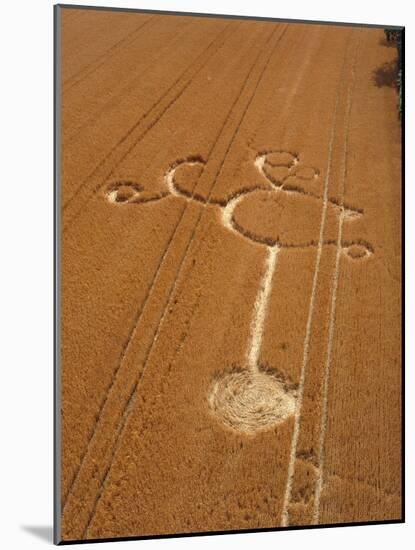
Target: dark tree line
396,35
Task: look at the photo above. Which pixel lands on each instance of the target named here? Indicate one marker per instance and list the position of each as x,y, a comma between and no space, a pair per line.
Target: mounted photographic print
228,208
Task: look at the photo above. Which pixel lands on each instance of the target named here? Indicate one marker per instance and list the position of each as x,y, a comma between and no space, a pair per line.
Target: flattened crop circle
250,401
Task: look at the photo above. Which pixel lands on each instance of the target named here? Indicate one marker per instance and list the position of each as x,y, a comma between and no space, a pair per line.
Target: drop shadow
43,532
386,74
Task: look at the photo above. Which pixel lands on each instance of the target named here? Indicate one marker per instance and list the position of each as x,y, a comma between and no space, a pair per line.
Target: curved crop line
133,395
148,128
173,186
280,185
135,324
142,117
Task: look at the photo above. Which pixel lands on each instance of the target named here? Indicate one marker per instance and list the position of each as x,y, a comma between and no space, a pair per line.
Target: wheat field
230,275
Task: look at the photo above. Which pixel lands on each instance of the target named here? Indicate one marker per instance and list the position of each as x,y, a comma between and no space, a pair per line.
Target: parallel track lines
131,400
151,288
146,298
103,172
68,84
297,416
124,90
323,427
127,344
